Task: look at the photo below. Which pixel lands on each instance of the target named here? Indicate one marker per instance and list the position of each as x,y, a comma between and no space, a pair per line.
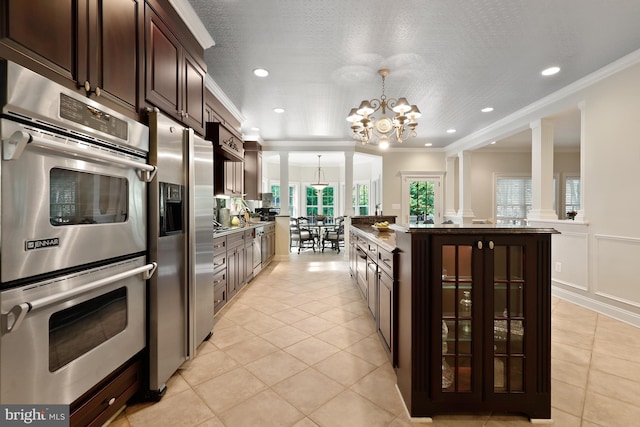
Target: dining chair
300,237
334,235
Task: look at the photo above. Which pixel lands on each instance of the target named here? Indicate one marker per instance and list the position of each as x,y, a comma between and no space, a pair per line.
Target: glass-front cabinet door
459,292
486,337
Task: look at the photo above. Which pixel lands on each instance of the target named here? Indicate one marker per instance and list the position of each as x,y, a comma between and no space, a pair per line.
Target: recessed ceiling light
451,131
487,109
260,72
550,71
493,142
255,129
278,110
428,144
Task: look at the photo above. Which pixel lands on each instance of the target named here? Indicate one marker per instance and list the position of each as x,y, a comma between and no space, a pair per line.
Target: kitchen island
470,315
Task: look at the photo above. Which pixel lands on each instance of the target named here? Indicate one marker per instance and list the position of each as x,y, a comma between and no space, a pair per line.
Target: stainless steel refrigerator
181,242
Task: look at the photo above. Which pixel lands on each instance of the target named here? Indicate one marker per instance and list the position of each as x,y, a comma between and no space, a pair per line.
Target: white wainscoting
616,270
570,259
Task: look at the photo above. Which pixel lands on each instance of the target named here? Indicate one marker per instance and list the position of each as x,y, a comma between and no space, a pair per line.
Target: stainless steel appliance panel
257,251
32,97
168,294
50,356
200,166
109,222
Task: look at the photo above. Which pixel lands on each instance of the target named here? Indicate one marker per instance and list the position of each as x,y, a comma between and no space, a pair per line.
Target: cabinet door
372,292
517,304
193,94
385,309
457,273
41,31
163,59
232,272
229,178
238,178
113,51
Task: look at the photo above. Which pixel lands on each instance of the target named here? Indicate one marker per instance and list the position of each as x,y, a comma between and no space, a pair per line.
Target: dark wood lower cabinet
474,315
99,404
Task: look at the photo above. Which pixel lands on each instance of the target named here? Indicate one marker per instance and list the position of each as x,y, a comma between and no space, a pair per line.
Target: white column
583,153
449,189
465,213
348,183
542,171
282,220
284,183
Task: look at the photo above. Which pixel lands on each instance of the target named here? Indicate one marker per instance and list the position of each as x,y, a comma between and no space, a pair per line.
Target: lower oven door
62,337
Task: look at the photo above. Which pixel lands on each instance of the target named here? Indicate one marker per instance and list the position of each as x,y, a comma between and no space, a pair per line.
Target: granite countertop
236,229
470,229
386,239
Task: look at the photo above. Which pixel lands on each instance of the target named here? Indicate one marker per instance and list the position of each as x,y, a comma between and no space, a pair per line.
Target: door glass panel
76,330
509,318
86,198
457,316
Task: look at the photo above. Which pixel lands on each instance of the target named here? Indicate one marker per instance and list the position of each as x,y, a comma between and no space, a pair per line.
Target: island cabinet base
474,321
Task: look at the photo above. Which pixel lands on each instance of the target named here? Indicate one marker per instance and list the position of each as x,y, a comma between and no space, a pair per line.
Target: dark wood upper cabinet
252,170
174,81
91,46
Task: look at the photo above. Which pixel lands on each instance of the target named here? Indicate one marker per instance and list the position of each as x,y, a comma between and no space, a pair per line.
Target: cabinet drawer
372,250
219,291
220,262
219,245
236,239
386,261
108,397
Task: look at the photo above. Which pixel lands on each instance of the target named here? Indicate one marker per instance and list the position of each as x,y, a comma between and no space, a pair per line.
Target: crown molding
191,19
223,98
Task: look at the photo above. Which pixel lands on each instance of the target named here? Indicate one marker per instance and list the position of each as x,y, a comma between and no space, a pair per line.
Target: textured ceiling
450,57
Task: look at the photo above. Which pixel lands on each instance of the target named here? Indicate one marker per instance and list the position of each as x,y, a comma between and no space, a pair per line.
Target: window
361,199
421,200
312,201
421,196
293,208
571,194
324,204
514,199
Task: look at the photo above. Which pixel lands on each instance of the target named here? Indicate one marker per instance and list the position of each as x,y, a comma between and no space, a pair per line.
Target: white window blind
572,194
513,199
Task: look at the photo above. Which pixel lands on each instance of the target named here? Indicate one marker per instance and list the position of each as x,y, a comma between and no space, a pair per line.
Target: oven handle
14,317
15,145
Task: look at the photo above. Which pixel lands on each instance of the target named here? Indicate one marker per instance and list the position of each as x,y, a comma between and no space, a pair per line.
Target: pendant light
319,186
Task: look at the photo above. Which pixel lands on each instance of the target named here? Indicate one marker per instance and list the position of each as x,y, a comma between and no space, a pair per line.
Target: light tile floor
297,347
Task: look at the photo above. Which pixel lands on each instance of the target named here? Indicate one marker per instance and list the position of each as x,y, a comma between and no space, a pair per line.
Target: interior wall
393,163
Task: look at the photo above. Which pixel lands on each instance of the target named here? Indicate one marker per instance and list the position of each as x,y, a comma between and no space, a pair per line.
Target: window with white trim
571,194
361,199
514,199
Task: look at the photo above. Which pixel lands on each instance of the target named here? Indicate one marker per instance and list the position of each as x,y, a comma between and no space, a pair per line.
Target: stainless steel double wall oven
73,240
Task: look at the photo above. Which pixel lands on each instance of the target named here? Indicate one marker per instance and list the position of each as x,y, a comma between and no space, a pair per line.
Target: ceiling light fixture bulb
550,71
278,110
487,109
260,72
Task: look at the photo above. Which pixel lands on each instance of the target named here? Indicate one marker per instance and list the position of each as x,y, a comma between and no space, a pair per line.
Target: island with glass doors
474,319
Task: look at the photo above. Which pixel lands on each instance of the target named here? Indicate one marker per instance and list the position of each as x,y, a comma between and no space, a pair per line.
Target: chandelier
368,128
319,186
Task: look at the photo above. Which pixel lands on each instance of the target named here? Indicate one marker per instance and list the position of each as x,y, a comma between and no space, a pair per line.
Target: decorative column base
464,216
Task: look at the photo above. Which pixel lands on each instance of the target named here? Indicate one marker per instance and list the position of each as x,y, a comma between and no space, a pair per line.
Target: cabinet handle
490,244
112,401
87,88
480,244
217,301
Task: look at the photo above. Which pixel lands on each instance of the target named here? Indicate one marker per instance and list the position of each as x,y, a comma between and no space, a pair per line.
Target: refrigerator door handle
190,242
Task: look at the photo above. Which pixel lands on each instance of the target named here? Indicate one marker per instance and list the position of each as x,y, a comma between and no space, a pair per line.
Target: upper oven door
66,204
